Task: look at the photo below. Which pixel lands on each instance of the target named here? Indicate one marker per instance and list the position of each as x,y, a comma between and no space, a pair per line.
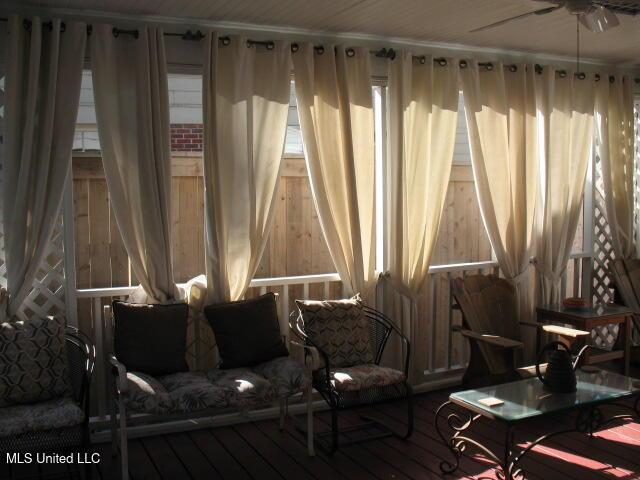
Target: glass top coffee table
513,402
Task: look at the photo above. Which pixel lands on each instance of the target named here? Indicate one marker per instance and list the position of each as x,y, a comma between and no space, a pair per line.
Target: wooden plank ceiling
423,20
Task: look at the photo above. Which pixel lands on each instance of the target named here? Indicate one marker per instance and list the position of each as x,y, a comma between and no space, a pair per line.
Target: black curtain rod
389,53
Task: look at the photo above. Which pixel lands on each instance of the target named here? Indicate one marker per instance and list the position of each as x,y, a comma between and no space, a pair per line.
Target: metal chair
81,357
326,377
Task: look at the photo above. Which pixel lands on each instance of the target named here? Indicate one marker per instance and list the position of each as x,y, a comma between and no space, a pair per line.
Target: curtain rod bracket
191,36
117,31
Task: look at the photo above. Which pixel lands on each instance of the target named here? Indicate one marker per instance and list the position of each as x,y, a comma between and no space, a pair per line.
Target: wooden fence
296,245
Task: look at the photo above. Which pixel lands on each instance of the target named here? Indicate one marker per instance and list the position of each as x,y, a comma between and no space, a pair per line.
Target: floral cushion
52,414
145,394
286,375
339,328
216,388
242,387
363,376
191,391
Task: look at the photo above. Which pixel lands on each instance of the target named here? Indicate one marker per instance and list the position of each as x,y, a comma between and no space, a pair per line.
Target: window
296,245
462,237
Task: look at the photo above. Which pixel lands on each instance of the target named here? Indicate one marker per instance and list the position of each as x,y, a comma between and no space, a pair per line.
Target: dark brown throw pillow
247,332
151,338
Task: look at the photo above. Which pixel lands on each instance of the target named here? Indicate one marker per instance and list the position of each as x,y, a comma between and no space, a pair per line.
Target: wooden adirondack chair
490,323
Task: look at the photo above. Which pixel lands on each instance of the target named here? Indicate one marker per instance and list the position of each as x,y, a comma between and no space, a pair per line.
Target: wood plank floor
260,450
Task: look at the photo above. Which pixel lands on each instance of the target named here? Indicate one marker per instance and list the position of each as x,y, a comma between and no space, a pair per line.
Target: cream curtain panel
614,128
423,110
132,109
502,124
246,101
44,72
565,105
335,107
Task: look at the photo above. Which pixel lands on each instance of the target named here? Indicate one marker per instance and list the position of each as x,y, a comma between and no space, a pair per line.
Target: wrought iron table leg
588,421
458,442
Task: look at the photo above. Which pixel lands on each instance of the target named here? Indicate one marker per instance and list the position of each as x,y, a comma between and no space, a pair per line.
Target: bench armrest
311,355
120,373
493,340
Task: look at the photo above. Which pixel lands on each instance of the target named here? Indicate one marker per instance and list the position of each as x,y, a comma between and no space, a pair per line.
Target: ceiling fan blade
599,20
542,11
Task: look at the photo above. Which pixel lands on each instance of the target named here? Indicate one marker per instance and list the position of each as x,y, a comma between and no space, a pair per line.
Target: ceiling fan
596,15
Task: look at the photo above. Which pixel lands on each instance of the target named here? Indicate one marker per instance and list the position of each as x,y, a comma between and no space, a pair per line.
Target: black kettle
560,376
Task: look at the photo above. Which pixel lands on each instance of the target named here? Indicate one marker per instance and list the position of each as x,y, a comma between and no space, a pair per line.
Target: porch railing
444,357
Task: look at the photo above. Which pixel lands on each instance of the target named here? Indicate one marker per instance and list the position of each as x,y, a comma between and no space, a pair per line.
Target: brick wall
186,137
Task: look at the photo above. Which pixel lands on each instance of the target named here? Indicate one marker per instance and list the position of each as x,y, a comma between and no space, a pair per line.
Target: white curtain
246,100
423,110
335,107
614,127
503,134
41,102
132,109
565,107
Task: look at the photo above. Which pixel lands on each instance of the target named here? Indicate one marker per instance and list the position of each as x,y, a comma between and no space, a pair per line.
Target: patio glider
151,380
345,341
45,372
489,321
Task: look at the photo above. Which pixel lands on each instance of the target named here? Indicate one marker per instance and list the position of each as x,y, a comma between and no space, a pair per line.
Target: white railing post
101,357
285,311
576,278
434,278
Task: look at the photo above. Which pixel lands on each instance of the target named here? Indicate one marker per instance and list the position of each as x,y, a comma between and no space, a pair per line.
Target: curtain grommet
295,47
350,52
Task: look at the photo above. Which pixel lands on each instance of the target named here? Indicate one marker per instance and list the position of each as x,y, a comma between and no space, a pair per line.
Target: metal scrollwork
458,443
589,421
457,440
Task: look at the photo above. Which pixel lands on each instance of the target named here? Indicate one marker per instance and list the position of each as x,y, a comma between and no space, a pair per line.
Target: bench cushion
287,376
192,391
36,417
363,376
185,392
145,394
242,387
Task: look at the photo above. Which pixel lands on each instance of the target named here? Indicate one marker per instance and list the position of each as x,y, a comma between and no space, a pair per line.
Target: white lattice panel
48,294
603,337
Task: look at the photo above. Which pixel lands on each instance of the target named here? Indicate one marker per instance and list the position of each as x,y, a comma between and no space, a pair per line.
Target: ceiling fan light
600,19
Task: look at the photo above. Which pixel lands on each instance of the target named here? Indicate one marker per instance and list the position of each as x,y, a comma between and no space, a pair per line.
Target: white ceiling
447,21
